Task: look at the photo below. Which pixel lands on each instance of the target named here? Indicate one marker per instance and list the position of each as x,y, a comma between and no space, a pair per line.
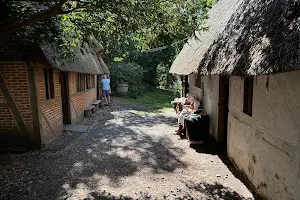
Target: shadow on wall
262,37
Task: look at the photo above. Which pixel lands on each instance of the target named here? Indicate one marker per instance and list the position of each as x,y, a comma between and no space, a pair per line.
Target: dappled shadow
117,152
114,148
216,191
107,196
219,149
209,147
122,147
262,37
200,190
145,119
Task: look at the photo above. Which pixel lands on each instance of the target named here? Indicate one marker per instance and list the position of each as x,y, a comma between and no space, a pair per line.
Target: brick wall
50,110
40,82
51,121
16,79
80,100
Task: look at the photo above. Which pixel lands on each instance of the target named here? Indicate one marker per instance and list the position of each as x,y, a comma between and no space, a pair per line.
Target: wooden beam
47,122
34,102
72,105
12,106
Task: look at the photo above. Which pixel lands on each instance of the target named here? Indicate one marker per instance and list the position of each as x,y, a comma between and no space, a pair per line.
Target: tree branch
77,8
55,10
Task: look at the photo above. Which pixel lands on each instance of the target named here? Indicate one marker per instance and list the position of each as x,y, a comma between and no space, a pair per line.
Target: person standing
106,89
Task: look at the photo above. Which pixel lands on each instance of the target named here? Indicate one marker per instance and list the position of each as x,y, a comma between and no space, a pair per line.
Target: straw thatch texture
94,46
103,64
84,61
246,37
193,51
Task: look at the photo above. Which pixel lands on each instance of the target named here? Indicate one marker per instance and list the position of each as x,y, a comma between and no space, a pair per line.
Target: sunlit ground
128,153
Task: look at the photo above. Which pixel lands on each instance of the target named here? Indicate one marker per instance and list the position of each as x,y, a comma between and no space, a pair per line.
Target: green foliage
148,23
126,28
156,100
164,78
127,72
156,65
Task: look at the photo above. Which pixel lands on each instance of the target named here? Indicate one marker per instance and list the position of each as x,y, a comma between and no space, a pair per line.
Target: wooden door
223,109
65,98
185,85
98,86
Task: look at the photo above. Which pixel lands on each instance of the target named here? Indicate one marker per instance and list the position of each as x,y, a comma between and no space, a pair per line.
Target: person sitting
187,109
178,102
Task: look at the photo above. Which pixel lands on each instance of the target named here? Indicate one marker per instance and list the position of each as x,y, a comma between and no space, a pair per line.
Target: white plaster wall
194,90
266,146
210,101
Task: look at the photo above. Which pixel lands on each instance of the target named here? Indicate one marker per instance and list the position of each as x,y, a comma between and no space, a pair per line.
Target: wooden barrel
122,88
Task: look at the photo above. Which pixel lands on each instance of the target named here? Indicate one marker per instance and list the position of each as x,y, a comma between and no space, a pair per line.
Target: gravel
126,154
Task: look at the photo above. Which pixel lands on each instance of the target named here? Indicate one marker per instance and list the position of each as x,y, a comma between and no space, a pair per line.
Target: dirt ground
126,154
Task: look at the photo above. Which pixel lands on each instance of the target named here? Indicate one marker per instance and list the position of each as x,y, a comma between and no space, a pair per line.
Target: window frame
80,82
88,82
49,83
93,82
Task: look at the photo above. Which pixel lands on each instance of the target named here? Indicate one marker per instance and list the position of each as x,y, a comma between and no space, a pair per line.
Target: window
198,81
88,81
49,84
248,95
80,82
93,81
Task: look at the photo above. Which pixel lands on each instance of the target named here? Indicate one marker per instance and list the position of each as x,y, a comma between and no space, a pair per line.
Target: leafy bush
130,73
165,79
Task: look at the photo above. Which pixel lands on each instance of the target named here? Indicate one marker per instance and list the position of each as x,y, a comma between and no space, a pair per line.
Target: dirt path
126,154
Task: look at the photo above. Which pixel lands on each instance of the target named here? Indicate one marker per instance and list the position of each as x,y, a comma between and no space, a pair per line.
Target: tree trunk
55,10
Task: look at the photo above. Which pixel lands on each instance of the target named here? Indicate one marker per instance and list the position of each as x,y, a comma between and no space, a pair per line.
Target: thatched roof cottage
246,68
40,91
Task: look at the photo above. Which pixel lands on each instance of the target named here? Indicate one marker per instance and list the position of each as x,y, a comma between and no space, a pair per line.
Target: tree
68,21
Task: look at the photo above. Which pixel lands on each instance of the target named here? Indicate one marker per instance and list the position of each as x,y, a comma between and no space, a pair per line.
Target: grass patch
156,100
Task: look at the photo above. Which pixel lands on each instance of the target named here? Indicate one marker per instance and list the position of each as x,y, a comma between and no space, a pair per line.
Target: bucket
122,88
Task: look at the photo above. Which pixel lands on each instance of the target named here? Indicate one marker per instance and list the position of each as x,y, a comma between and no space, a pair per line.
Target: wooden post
186,85
34,103
182,86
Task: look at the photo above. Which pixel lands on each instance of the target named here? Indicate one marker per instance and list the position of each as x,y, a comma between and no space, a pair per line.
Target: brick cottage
39,93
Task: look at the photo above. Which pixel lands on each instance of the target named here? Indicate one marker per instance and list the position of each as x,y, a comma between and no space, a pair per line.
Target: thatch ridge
261,37
84,61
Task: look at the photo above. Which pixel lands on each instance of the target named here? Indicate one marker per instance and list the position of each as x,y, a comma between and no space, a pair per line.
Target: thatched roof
86,59
103,64
245,37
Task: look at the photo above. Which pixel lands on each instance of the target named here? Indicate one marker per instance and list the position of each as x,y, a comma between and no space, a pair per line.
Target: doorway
98,86
223,109
185,85
65,97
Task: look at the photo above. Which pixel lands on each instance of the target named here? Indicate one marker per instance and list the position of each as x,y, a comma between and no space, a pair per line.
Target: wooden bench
97,104
89,111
